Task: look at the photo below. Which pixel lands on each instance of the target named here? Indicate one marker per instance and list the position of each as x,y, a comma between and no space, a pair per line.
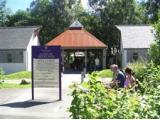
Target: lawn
15,76
105,73
18,75
11,85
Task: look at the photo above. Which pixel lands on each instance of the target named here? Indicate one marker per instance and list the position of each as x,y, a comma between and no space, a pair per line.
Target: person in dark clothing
118,77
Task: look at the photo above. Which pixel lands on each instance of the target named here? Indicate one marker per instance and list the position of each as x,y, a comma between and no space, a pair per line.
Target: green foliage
139,68
53,15
3,13
151,78
92,100
18,75
151,7
105,73
154,50
20,18
110,13
147,75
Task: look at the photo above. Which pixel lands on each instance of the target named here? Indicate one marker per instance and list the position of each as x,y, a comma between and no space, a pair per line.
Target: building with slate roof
80,48
15,47
135,42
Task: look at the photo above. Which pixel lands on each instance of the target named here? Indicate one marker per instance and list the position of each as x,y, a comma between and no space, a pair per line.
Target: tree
54,17
2,12
155,47
111,13
116,11
20,18
152,7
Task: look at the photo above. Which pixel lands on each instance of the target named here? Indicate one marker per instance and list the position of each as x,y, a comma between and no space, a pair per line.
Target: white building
15,47
135,42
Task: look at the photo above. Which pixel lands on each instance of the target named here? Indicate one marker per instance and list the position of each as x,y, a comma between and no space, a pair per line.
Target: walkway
17,103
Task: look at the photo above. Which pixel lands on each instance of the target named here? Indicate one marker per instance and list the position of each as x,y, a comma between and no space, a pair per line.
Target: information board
46,67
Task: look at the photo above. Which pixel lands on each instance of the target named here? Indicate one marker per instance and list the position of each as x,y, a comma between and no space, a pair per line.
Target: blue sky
14,5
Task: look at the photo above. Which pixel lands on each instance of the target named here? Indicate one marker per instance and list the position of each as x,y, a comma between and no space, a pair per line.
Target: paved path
17,103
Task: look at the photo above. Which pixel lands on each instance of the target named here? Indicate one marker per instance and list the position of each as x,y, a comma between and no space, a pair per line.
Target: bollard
83,75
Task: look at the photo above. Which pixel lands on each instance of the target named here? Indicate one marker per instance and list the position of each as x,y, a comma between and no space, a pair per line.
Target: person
118,76
97,63
130,80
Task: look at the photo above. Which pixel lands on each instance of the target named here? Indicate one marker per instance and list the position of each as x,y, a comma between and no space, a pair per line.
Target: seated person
118,78
130,80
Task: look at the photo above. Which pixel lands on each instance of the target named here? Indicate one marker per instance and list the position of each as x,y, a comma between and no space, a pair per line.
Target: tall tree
115,11
155,47
111,13
2,12
20,18
54,17
152,7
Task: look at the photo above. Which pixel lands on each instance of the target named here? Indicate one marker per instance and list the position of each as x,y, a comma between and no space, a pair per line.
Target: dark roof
136,36
16,37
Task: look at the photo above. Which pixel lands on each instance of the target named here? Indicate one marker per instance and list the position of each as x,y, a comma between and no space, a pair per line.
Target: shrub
154,50
24,82
138,69
92,100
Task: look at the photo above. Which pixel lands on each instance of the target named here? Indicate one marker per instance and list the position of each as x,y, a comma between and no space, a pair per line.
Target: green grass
18,75
105,73
11,85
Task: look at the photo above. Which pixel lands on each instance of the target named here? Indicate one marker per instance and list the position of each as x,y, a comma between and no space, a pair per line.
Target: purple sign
46,67
46,52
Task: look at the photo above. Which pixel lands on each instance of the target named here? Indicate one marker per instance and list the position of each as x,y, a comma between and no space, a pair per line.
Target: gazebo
79,48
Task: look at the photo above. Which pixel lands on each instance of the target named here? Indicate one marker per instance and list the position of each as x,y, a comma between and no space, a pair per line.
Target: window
21,53
9,58
135,56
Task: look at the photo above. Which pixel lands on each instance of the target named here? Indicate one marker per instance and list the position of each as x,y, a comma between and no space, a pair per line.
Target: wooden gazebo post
104,58
85,53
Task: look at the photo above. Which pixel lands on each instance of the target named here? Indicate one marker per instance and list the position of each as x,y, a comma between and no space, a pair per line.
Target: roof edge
13,27
134,25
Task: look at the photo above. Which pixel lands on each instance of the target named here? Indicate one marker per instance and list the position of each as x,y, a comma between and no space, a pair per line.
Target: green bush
92,100
154,50
147,75
139,69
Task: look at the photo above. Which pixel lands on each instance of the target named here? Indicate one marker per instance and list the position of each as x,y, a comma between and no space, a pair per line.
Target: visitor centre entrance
80,49
77,60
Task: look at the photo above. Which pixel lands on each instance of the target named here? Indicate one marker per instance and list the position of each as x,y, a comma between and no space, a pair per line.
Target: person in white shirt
97,63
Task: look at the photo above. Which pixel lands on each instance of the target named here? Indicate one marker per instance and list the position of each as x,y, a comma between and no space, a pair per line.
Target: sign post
46,67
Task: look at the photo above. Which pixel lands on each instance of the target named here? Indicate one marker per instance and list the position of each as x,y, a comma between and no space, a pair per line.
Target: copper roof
77,37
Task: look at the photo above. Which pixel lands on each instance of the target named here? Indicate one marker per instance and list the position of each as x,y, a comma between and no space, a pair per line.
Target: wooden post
104,58
85,59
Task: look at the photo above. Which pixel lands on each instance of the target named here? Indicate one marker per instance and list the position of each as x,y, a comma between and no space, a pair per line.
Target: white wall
26,65
14,67
33,42
127,55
